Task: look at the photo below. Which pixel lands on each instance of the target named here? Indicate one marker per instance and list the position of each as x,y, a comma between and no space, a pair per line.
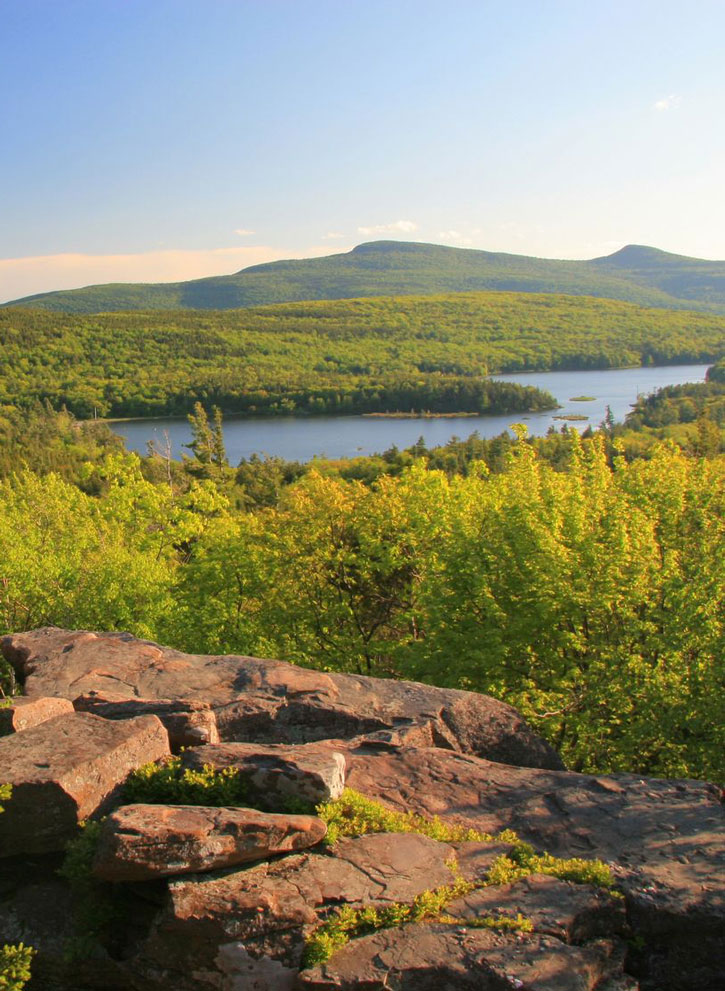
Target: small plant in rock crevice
14,959
350,923
94,911
168,783
522,861
15,966
354,814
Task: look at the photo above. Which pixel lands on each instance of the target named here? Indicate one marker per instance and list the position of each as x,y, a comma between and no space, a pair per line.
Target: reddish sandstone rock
268,907
574,913
141,842
433,957
415,749
309,772
24,713
68,769
267,701
188,722
666,839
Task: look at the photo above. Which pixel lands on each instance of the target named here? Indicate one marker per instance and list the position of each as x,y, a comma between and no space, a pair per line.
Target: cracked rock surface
210,899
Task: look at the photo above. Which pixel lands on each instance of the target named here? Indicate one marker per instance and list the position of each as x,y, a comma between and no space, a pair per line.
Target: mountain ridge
635,273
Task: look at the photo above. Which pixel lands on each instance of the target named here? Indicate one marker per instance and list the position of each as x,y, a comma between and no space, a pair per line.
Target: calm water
299,439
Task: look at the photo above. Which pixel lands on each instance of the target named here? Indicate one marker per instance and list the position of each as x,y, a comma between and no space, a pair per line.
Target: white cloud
45,273
332,236
397,227
671,102
243,233
456,236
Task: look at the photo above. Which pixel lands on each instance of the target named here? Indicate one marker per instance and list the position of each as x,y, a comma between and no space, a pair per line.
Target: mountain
635,274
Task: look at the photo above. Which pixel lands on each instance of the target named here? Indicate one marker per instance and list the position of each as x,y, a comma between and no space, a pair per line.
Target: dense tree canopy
366,355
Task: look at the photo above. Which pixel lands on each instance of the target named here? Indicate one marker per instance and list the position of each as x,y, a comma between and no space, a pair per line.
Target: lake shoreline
295,437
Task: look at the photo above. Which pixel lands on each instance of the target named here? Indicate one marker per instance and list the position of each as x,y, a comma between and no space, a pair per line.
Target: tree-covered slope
396,268
347,356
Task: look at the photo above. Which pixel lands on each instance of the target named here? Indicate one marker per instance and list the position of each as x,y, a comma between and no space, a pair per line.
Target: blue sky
163,139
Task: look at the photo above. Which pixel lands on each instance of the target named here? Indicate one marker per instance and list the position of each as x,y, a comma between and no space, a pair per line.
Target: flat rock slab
268,701
574,913
188,722
665,839
24,713
268,907
66,770
142,842
310,773
432,957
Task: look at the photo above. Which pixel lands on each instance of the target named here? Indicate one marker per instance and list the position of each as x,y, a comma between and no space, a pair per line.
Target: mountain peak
641,256
370,247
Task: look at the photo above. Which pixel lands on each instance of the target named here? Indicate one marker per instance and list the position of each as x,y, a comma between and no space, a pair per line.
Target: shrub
15,967
169,783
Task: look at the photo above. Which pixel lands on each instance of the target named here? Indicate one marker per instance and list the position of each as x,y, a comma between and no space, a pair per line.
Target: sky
161,140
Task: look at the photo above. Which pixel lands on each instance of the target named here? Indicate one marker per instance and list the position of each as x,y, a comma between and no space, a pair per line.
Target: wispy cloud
397,227
243,233
44,273
332,236
456,236
671,102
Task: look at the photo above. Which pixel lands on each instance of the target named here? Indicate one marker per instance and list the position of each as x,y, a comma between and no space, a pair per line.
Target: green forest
428,353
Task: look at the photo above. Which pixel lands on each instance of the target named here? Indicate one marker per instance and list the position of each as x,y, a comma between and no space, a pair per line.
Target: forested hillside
364,355
636,274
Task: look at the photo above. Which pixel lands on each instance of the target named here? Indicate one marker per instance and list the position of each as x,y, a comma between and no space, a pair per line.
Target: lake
301,438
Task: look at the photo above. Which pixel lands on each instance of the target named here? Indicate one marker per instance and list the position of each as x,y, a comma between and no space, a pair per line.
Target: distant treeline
349,356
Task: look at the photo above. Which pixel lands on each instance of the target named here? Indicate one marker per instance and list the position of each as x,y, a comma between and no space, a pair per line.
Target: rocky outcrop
665,839
431,957
66,770
188,722
265,701
143,842
269,907
225,899
572,913
309,773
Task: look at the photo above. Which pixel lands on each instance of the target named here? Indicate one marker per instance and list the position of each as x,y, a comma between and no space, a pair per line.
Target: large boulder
143,842
189,722
271,701
66,770
24,713
308,773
